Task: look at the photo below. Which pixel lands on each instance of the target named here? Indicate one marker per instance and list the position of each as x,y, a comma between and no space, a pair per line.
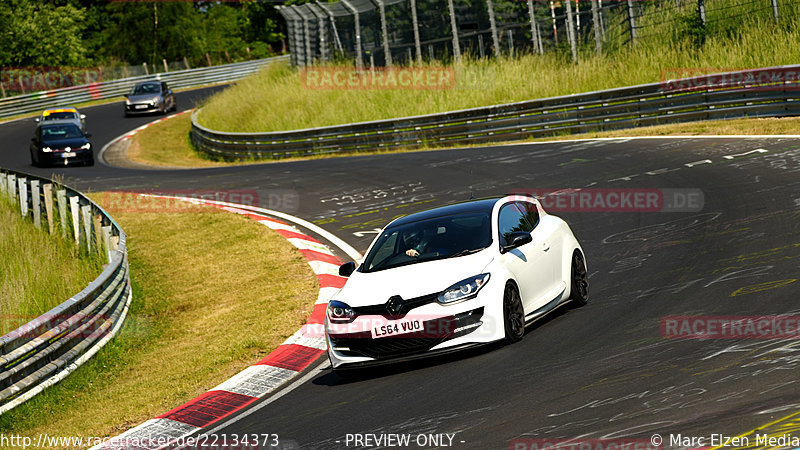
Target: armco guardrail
46,349
22,104
767,92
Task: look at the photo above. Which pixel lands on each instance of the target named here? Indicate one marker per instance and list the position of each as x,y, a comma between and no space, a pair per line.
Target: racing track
600,371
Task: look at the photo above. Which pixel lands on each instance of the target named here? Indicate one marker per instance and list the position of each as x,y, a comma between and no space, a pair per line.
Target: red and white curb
130,134
293,356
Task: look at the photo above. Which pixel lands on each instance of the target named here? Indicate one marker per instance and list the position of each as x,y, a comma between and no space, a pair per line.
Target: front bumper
443,329
142,108
59,158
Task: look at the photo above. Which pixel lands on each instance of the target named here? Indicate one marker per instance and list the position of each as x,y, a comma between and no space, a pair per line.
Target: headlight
340,312
86,146
47,149
464,289
127,101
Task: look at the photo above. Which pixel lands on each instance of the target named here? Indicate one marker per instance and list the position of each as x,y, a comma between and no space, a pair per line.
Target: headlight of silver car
464,289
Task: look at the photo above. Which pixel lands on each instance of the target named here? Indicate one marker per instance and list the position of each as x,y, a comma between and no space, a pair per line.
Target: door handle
545,246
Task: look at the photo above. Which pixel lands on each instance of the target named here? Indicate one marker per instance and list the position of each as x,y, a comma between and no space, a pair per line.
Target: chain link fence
391,32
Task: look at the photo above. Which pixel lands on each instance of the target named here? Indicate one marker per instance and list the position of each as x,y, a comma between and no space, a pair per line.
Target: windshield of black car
429,239
55,132
143,89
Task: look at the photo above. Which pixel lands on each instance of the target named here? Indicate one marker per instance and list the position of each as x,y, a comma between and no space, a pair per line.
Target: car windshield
60,115
66,131
142,89
430,239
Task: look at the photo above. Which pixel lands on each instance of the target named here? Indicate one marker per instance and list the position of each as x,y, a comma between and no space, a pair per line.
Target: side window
164,87
531,213
510,219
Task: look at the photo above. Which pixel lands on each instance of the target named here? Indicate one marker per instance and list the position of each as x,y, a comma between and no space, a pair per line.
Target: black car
60,144
150,96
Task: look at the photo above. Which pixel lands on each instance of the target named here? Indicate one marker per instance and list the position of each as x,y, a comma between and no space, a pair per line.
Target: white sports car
452,277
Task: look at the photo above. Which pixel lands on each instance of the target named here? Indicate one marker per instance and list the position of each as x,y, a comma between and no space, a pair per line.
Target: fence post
37,205
98,232
76,225
86,213
480,46
3,188
12,187
23,196
775,11
415,23
107,240
701,9
166,67
384,33
359,57
48,206
61,195
493,26
598,38
146,72
553,16
320,16
336,39
534,35
454,29
510,33
631,21
602,20
571,32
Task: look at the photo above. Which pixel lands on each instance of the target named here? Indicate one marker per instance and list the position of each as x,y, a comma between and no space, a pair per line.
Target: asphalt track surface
603,370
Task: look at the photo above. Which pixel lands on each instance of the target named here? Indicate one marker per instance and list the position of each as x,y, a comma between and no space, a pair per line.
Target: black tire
513,314
579,288
90,162
34,160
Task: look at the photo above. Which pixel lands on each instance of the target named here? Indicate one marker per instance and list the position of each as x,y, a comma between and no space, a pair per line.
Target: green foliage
28,38
99,32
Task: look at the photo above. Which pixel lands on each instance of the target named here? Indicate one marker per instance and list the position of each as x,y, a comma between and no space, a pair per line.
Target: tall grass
275,98
37,271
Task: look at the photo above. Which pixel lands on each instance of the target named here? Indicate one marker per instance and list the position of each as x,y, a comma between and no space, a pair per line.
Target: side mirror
36,120
87,134
83,116
517,239
347,268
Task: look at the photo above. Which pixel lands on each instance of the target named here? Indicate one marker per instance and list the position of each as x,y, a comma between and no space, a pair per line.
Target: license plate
396,327
68,155
140,106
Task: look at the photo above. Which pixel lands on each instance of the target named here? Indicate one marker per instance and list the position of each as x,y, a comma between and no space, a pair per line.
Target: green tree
28,38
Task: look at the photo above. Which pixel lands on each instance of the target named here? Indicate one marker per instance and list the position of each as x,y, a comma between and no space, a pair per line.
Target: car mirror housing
517,239
347,268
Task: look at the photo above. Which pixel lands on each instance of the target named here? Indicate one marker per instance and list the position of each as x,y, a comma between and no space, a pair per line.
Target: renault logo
394,305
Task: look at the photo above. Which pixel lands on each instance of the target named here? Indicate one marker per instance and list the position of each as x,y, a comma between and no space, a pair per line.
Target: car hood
411,281
143,98
61,143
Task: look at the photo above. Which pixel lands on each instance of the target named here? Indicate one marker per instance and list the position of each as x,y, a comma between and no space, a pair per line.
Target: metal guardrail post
775,11
320,16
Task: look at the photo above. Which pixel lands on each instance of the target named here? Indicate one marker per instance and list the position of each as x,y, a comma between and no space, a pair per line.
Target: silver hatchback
148,97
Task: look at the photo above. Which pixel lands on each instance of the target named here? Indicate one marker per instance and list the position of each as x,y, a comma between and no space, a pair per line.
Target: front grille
404,308
433,333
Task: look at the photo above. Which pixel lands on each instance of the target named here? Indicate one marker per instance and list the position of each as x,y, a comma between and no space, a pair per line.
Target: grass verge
276,98
213,292
30,283
175,149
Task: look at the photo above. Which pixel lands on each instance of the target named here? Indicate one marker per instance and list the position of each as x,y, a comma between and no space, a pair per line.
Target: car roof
480,205
142,83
